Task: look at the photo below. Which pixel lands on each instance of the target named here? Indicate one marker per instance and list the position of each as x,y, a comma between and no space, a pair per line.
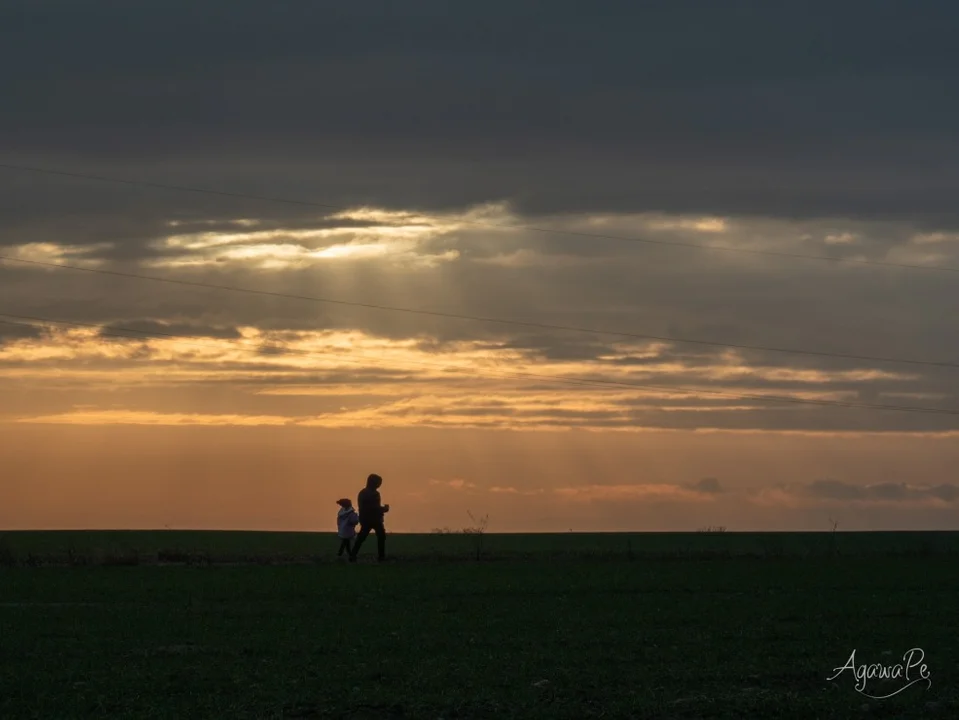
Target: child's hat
344,502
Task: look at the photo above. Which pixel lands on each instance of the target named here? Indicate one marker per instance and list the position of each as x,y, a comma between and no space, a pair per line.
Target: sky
655,177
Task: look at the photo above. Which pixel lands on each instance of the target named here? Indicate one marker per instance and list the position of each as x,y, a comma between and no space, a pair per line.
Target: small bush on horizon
476,532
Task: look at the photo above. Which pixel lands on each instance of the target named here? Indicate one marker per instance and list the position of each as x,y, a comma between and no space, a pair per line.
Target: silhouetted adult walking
371,512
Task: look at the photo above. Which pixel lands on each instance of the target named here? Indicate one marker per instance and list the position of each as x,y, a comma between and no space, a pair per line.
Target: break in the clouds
178,348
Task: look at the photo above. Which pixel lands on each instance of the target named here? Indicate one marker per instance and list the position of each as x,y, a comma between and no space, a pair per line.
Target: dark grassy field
681,626
150,547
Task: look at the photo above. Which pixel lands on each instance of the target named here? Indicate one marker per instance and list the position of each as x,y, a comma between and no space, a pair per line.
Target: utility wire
501,226
130,333
478,318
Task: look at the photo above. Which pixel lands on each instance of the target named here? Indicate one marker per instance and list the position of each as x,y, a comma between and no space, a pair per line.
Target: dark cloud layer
755,107
135,329
11,331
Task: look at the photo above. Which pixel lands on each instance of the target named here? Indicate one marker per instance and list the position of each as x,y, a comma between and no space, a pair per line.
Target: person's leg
364,531
381,541
344,545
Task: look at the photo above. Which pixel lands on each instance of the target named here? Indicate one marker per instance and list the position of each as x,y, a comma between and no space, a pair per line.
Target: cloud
455,484
933,238
652,492
709,486
11,332
158,327
827,491
820,493
124,417
412,382
657,109
395,236
638,492
840,239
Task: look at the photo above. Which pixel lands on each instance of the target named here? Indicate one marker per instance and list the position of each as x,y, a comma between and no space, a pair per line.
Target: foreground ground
542,637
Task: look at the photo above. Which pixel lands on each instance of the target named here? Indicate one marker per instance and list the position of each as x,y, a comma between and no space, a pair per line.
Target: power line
131,333
478,318
501,226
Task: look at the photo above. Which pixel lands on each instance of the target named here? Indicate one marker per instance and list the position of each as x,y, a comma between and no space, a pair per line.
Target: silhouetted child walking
346,522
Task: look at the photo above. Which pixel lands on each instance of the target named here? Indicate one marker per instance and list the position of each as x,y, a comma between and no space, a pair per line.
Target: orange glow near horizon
231,424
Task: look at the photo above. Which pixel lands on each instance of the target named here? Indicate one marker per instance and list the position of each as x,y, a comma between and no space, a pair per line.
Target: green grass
668,634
